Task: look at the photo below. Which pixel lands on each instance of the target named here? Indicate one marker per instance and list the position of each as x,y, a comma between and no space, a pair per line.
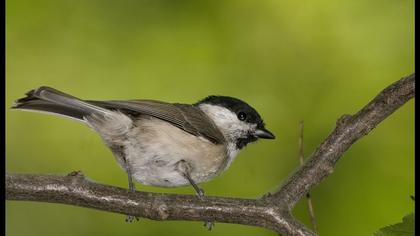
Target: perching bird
158,143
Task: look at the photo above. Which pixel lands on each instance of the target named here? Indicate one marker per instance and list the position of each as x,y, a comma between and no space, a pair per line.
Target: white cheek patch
228,122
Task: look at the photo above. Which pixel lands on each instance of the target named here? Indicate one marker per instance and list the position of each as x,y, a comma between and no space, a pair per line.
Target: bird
160,143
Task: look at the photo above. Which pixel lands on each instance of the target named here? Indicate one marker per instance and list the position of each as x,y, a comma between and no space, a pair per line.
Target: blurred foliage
405,228
291,60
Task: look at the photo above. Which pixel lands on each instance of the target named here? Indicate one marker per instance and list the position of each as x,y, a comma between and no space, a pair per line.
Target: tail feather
46,99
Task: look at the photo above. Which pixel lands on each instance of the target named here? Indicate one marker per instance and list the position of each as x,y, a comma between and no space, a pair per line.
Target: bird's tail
46,99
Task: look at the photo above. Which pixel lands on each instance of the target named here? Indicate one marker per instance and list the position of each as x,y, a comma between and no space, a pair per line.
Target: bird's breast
154,147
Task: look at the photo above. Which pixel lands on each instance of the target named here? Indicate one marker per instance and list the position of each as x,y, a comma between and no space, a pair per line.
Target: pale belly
155,147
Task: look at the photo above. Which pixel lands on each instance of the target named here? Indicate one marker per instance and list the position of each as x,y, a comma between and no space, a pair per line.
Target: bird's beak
264,133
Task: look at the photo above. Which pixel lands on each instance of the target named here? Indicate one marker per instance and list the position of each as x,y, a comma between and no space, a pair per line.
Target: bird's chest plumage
154,147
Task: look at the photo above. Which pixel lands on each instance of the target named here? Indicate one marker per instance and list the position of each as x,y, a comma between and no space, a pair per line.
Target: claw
209,225
200,193
130,219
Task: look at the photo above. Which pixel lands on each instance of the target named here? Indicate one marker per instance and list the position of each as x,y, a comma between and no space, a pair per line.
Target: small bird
158,143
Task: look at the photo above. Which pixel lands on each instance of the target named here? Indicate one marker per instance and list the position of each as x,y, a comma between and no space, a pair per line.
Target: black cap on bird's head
243,111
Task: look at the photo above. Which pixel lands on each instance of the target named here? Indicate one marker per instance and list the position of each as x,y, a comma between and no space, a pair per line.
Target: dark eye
241,115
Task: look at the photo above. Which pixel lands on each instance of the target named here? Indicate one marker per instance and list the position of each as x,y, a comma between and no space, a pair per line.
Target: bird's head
239,122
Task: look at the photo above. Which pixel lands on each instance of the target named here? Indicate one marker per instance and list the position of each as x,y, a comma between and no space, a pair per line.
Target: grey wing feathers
187,117
201,123
51,100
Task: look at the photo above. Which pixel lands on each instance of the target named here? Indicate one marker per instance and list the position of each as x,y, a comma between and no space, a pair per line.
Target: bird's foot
200,193
209,225
130,219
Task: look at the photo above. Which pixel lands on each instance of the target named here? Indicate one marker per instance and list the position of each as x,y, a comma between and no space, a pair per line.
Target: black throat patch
242,142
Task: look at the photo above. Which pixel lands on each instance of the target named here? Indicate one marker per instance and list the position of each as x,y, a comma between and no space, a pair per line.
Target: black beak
264,133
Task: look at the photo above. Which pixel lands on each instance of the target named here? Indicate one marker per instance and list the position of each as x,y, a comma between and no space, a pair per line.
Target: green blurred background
291,60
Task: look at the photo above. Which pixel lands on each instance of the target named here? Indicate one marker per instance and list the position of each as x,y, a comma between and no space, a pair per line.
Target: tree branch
75,189
272,211
349,128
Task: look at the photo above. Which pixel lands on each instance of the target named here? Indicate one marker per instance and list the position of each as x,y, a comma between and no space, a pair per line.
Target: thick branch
74,189
272,212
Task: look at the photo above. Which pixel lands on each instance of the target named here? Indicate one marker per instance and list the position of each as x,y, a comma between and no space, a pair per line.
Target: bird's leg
132,188
198,190
185,169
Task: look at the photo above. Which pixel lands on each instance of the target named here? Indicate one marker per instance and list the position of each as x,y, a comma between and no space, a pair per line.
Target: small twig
301,155
308,195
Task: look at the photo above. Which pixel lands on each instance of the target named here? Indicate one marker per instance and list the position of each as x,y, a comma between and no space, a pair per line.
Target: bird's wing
186,117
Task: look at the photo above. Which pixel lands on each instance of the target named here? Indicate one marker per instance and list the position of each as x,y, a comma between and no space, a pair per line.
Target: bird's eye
241,115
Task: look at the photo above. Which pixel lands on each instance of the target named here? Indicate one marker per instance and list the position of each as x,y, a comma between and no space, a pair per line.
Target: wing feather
186,117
